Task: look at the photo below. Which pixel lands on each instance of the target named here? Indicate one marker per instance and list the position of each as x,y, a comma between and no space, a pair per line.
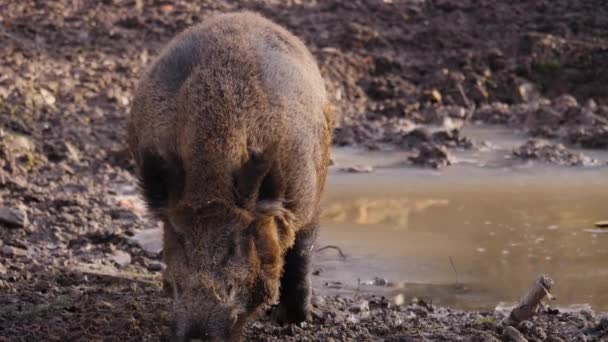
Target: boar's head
224,255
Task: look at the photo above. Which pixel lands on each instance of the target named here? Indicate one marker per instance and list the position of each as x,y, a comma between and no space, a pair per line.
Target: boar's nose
195,331
193,334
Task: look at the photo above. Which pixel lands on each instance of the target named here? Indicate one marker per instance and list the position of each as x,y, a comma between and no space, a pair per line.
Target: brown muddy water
470,236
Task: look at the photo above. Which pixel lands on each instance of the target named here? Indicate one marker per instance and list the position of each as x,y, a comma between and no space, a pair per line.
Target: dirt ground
402,75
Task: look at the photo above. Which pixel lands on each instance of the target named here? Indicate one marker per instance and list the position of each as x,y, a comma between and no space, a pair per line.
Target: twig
464,96
528,306
455,271
332,247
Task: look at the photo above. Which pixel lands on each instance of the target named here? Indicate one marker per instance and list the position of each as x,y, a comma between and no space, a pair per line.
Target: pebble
317,301
149,240
156,266
525,326
121,258
512,334
399,299
358,169
2,269
10,251
380,281
360,306
13,218
539,333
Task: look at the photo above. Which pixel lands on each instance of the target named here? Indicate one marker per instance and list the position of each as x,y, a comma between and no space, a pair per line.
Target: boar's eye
160,179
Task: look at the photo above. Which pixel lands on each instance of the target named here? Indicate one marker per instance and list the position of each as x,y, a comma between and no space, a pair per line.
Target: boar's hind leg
294,300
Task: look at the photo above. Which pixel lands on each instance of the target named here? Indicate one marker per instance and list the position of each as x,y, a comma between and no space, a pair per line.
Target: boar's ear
159,179
259,179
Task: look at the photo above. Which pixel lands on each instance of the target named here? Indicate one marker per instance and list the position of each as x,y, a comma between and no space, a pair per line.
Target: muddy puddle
470,236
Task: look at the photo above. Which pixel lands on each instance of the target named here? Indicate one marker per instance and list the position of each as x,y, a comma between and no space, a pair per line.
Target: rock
121,258
602,224
538,333
490,338
317,300
123,215
317,315
554,338
47,97
525,326
513,335
358,169
593,137
433,95
11,252
543,122
578,338
431,155
156,266
13,218
149,240
57,151
2,269
399,299
544,151
379,281
564,102
603,323
360,306
528,92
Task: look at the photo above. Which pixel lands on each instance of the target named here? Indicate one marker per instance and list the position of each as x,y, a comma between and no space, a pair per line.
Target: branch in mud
529,304
332,247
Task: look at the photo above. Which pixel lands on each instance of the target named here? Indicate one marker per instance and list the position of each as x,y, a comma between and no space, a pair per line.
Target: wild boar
230,130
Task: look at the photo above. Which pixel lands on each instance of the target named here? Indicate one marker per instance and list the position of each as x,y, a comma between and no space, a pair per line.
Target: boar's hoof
283,315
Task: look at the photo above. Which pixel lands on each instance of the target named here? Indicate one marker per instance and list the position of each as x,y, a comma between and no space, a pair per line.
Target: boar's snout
204,320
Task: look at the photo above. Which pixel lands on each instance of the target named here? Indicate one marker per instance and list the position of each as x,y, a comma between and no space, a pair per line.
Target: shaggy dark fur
230,129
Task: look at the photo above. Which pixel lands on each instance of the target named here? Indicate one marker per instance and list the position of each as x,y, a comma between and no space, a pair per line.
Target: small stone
528,92
433,95
578,338
156,266
317,315
525,326
603,324
121,258
432,155
123,216
554,338
360,306
399,299
317,300
539,333
13,218
358,169
10,251
72,152
512,334
149,240
48,97
380,281
2,269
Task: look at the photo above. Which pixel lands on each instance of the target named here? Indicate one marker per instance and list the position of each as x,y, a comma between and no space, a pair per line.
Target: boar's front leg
294,300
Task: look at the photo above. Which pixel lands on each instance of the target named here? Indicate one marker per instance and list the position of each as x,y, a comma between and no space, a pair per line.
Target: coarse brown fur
230,129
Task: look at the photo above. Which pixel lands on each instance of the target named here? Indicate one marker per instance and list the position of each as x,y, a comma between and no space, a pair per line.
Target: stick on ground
528,306
332,247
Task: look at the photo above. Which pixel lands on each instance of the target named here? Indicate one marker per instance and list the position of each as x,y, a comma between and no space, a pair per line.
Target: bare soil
402,74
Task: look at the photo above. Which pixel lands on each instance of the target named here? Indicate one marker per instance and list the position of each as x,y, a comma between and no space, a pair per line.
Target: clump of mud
540,150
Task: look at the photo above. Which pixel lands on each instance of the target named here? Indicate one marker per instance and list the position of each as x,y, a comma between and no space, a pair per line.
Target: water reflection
501,229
